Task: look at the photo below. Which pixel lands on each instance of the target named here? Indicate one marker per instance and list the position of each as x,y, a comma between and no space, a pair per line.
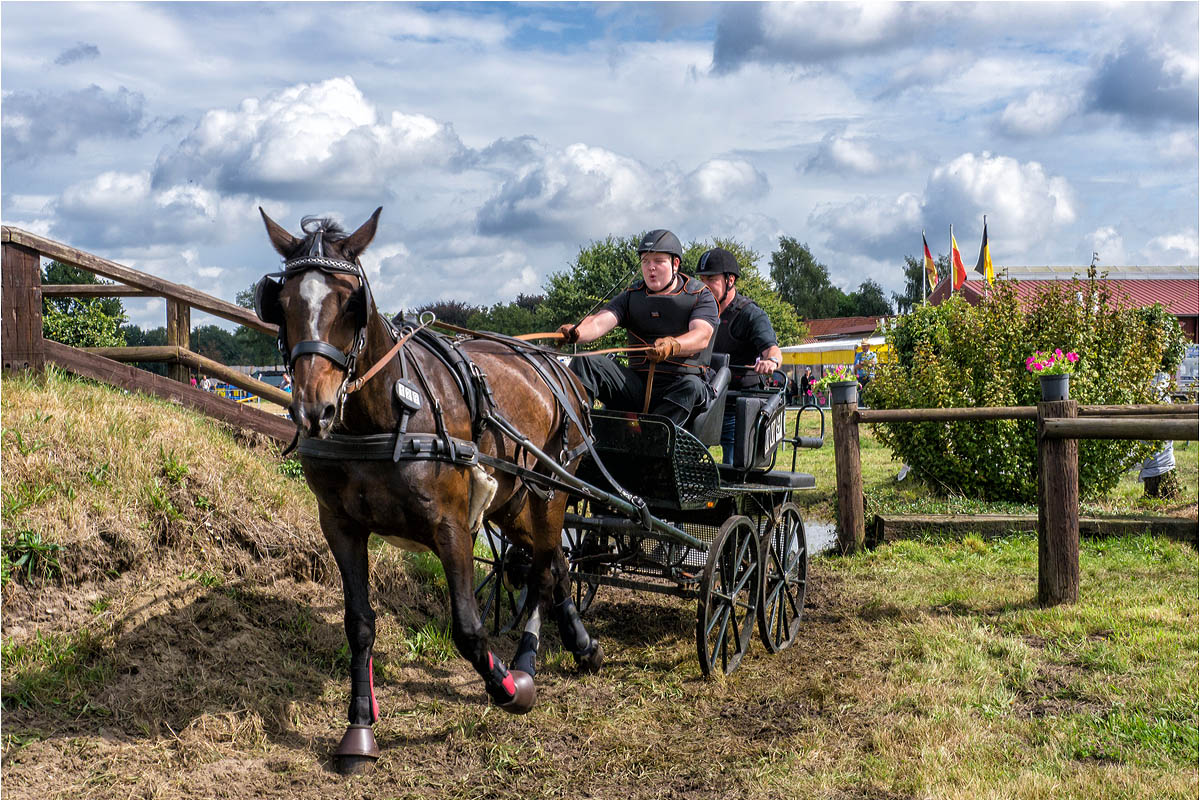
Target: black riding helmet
660,240
718,261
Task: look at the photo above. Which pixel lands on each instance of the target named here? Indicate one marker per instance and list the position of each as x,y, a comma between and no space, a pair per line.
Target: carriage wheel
580,543
785,579
501,587
729,595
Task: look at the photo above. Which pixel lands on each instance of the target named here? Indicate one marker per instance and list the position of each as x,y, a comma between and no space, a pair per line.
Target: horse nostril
327,415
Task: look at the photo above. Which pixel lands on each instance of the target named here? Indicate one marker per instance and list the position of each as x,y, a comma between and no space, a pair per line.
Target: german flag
930,264
984,265
956,262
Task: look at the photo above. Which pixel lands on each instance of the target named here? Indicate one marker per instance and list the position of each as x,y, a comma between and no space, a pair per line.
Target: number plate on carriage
408,395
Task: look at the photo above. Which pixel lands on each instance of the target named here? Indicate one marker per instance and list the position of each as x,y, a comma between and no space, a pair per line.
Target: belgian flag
984,265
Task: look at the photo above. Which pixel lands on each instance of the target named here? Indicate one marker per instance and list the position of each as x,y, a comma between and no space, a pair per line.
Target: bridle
269,310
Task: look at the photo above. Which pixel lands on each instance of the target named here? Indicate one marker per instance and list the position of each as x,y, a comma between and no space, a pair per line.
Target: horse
423,463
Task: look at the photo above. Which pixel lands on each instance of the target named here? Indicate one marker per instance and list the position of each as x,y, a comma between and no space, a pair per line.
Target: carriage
727,535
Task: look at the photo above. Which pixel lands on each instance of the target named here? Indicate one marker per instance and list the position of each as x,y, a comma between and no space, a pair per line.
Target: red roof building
1176,288
841,328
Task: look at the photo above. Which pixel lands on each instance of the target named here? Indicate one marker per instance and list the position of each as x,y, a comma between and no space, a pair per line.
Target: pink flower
1038,366
1072,357
1058,352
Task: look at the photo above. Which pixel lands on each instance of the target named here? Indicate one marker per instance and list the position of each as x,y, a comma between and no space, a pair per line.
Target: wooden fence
1060,424
25,349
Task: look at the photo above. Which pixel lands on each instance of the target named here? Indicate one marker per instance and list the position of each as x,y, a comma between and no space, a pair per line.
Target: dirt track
240,692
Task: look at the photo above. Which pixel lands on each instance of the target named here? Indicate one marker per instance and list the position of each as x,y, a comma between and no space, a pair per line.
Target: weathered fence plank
126,275
888,528
1128,428
179,328
1058,509
21,306
90,365
851,515
931,415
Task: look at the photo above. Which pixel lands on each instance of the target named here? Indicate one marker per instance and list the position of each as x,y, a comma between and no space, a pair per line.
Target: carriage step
782,479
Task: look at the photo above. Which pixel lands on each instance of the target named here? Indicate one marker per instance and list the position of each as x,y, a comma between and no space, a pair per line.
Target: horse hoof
354,765
526,694
357,751
591,661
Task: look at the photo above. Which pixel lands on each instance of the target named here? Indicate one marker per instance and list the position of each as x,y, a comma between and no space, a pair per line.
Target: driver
745,333
666,309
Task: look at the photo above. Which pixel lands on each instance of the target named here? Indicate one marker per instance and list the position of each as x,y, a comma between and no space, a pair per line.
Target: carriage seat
706,425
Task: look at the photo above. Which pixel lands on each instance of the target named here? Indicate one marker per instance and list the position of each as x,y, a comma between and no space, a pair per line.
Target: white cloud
1020,199
722,180
118,209
838,152
1174,249
1106,242
321,137
874,226
1038,114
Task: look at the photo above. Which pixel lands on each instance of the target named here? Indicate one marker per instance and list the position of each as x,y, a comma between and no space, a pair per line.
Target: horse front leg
357,750
513,691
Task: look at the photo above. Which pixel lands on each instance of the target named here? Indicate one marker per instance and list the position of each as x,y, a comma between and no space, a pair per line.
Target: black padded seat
706,425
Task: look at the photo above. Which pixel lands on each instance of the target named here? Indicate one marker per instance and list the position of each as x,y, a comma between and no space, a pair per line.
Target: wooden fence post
1058,509
21,302
851,517
179,328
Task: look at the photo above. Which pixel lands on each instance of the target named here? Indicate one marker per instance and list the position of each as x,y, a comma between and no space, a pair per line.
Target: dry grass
192,662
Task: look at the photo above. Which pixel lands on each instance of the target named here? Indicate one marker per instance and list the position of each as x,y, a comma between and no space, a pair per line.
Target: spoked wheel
785,579
729,595
583,548
501,587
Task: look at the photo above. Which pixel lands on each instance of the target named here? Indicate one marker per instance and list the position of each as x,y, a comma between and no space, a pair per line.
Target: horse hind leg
589,655
513,691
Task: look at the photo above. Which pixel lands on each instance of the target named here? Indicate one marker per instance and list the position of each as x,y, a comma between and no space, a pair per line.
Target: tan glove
664,349
570,333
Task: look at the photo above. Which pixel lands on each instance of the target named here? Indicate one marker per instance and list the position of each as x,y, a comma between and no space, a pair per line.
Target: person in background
286,383
806,386
745,333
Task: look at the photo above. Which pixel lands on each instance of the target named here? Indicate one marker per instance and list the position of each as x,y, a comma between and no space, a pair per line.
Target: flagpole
924,297
986,284
953,273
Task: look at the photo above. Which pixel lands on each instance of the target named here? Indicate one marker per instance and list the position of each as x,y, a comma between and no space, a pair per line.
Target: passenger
745,333
666,309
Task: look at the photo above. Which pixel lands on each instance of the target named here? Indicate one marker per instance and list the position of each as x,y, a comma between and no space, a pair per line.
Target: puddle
821,536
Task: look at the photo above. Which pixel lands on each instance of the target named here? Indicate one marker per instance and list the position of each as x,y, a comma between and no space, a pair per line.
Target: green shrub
960,355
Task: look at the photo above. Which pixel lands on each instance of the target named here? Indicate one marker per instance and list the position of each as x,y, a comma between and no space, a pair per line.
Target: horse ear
285,244
356,243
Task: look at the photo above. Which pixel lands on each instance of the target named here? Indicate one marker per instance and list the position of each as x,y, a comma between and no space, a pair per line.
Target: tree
454,312
504,318
868,301
789,330
601,270
253,346
914,269
802,281
80,322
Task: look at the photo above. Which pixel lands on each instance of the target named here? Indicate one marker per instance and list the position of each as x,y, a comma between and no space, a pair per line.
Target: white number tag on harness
408,395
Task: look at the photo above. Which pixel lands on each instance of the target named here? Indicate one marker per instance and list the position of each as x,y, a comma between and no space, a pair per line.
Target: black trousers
622,389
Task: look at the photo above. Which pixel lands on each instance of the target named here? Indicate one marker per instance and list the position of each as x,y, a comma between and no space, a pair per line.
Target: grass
887,496
204,655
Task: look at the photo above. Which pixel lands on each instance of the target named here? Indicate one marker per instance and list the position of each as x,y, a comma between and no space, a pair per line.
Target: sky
501,138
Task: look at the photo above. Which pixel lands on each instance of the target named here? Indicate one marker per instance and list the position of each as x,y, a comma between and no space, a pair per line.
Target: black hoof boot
592,660
357,752
525,695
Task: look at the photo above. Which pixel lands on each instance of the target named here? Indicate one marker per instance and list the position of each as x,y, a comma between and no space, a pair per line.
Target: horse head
322,303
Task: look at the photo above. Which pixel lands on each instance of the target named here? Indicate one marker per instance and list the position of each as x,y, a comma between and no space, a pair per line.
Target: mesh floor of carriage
650,457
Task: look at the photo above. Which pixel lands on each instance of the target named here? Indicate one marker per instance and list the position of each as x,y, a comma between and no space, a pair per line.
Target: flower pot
843,392
1055,387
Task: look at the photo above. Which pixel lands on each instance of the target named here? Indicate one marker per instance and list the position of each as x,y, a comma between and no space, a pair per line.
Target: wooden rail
21,294
1059,427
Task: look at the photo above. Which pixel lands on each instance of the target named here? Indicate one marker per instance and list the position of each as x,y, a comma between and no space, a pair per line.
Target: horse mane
326,227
